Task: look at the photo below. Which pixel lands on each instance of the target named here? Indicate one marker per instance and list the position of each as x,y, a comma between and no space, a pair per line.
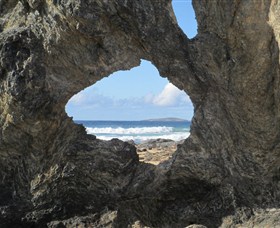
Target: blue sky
140,93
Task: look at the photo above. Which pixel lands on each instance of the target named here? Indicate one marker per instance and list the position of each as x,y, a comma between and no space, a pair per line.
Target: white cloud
91,104
170,96
94,99
87,98
149,98
78,99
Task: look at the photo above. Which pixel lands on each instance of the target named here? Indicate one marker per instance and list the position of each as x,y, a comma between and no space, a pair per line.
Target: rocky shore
156,151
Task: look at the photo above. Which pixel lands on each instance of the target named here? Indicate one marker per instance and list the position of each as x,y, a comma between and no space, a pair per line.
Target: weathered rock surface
156,151
225,174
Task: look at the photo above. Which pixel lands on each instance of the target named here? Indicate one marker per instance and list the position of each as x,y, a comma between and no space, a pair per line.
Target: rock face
225,174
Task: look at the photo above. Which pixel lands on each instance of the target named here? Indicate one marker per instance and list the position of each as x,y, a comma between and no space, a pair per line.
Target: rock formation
52,174
155,151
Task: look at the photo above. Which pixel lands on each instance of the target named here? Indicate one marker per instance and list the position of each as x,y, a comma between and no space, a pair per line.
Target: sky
140,93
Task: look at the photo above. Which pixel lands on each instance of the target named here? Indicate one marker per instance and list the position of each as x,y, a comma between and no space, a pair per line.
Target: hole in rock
136,105
185,16
115,106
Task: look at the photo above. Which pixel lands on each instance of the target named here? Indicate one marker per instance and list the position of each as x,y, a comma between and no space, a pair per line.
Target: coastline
138,131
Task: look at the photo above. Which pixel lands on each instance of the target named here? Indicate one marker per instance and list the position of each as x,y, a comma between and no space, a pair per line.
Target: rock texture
156,151
52,174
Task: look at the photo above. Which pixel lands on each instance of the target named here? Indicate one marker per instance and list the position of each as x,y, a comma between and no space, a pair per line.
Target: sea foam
129,131
138,134
139,139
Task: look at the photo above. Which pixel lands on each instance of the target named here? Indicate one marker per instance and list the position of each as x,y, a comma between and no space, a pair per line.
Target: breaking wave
139,139
138,134
129,131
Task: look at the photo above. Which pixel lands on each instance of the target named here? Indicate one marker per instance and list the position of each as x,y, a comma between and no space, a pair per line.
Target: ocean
138,131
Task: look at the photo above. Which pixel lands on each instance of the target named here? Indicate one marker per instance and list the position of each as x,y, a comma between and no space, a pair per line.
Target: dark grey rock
225,174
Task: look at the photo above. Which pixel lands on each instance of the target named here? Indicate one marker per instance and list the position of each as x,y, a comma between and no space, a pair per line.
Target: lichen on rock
53,174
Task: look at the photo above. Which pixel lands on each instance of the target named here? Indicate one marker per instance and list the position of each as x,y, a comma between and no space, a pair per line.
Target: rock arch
51,170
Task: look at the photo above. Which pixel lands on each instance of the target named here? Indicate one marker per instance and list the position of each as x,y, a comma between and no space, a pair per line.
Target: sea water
138,131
